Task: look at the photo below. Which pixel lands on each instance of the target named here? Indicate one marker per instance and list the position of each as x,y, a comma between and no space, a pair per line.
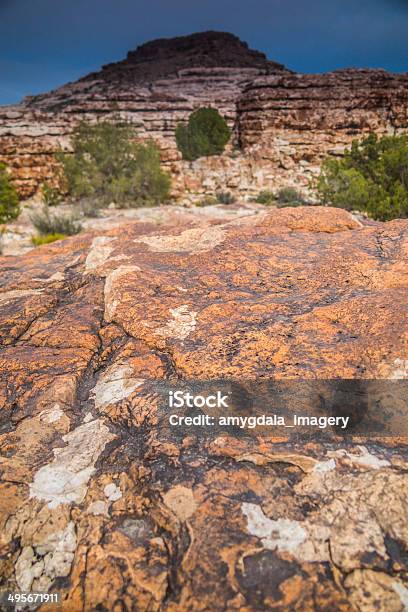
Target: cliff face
284,123
300,118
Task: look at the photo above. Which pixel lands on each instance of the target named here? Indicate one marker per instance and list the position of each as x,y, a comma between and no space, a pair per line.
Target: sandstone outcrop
296,120
104,504
283,123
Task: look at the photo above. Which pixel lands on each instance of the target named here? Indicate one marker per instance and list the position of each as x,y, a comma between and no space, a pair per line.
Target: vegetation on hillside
207,200
108,165
225,197
51,195
9,201
205,134
266,196
46,239
286,196
372,177
289,196
47,223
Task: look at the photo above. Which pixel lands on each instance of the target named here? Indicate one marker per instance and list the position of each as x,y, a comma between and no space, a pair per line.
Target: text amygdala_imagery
303,406
250,422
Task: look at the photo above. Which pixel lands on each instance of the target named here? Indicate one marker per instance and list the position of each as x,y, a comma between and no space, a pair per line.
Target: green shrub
207,201
289,196
107,165
9,202
265,197
206,134
225,197
47,239
372,177
51,195
87,208
50,223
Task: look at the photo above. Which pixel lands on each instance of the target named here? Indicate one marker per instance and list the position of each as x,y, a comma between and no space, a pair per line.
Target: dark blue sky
45,43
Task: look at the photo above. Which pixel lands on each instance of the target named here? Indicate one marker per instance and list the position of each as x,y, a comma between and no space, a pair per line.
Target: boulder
105,504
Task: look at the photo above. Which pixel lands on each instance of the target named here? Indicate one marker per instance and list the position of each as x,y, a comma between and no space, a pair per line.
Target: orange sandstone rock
104,504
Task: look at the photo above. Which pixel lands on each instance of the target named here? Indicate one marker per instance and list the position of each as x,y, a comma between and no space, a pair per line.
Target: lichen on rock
103,502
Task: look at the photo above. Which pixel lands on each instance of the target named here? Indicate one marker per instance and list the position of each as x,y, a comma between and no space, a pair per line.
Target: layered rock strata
157,86
297,120
284,124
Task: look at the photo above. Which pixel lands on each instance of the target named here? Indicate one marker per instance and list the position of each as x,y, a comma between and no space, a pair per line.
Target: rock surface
284,124
102,503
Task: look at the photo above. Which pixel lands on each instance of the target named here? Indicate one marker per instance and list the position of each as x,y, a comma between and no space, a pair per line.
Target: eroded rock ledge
102,504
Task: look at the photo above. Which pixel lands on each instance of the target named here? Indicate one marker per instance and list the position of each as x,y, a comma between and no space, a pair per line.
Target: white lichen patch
352,509
58,276
113,283
115,384
38,566
325,466
56,417
180,326
58,551
98,507
195,240
65,479
282,534
348,524
306,542
112,492
399,370
101,248
402,593
9,296
27,568
361,459
51,415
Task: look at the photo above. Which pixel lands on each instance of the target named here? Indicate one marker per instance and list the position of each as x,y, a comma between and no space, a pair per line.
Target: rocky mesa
283,123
